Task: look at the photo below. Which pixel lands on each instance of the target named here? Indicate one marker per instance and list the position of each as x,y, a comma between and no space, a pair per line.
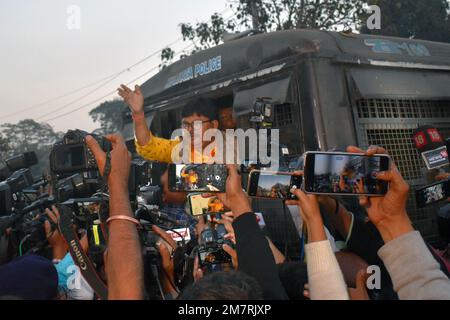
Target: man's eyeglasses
190,125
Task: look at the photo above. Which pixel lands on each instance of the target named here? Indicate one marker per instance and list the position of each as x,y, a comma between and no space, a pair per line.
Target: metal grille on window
283,115
398,142
389,123
402,108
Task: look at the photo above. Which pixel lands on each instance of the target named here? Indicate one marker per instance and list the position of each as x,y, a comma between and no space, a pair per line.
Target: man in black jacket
253,251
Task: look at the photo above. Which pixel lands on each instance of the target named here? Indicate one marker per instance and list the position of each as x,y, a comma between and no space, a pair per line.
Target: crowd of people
381,238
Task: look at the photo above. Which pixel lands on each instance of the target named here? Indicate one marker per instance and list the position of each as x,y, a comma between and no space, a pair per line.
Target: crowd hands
386,239
258,269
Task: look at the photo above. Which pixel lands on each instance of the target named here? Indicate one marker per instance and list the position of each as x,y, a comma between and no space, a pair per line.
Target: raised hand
120,159
309,209
234,198
134,99
54,237
388,213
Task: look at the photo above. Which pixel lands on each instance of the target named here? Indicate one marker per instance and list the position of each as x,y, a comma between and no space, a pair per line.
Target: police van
329,89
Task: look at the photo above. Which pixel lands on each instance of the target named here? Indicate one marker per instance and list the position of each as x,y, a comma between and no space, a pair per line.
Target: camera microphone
152,214
427,138
431,146
165,217
42,203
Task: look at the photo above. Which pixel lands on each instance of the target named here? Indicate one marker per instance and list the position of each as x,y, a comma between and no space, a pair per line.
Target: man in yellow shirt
202,111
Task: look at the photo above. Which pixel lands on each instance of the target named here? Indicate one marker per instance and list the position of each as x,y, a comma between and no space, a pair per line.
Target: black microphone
41,203
427,138
163,216
153,214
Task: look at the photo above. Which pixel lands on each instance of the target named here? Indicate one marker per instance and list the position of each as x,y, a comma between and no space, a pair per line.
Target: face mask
71,281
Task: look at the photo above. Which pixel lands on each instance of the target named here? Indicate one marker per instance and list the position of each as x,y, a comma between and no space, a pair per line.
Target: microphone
427,138
431,146
152,214
163,216
44,202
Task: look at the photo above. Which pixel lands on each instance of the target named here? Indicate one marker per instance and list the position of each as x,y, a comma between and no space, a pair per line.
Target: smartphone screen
344,173
200,206
197,177
447,146
433,193
275,185
212,256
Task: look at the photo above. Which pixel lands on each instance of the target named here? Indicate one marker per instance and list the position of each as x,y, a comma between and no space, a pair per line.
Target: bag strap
78,255
103,216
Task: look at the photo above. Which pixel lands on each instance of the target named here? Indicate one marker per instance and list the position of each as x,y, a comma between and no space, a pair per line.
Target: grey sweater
415,273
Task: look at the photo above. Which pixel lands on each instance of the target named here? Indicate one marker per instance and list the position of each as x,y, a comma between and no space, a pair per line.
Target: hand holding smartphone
433,193
197,177
201,206
345,173
273,185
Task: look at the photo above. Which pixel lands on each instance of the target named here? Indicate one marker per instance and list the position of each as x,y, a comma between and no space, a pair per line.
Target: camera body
16,163
263,111
11,188
145,173
75,186
151,195
22,161
72,154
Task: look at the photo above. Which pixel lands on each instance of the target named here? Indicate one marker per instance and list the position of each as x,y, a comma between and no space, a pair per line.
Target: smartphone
433,193
274,185
197,177
200,206
210,250
212,255
344,173
447,146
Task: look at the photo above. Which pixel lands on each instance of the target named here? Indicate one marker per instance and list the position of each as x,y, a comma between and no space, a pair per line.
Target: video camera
145,180
72,154
262,112
73,160
17,162
75,186
10,190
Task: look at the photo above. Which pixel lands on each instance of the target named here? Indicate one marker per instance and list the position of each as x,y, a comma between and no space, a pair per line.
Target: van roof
275,50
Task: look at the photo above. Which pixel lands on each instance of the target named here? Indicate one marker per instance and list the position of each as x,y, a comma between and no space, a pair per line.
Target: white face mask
85,292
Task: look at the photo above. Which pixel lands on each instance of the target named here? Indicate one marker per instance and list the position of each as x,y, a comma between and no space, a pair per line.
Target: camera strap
79,257
103,215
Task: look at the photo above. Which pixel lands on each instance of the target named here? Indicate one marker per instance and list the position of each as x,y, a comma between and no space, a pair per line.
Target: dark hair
232,285
202,107
293,276
225,102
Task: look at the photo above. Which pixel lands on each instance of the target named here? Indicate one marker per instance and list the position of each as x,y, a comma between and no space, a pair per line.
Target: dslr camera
73,155
263,111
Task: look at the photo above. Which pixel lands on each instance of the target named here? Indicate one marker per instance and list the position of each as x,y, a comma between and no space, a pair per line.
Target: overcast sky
43,57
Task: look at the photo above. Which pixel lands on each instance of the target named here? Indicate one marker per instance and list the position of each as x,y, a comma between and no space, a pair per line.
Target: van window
390,123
